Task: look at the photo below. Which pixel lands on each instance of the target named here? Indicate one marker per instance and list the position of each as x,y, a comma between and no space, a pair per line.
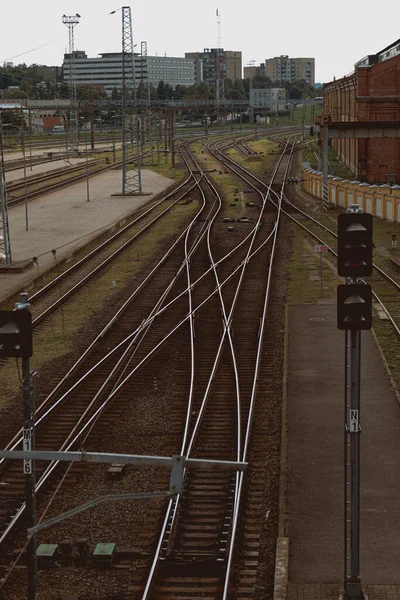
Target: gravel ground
150,426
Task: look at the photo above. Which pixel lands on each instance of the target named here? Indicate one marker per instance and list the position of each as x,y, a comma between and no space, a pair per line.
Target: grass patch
305,273
58,337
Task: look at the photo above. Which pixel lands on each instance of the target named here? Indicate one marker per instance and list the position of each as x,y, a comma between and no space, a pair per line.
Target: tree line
39,82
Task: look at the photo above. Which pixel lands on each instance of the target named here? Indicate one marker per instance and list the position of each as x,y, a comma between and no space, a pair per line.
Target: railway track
197,302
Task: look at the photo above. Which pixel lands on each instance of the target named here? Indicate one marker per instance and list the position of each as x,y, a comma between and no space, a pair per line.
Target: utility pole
71,22
5,245
24,159
325,194
92,123
251,64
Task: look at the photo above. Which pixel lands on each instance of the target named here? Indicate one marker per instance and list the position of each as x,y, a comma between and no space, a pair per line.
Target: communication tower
71,22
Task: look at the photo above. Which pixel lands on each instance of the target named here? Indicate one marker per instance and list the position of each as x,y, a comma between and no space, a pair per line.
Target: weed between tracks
305,273
59,337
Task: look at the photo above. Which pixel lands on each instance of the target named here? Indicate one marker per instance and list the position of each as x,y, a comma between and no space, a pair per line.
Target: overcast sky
337,34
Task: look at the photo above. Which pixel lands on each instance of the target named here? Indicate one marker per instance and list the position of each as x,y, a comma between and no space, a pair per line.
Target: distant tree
17,94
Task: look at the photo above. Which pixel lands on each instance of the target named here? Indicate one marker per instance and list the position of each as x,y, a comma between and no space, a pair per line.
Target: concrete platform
315,420
46,167
64,221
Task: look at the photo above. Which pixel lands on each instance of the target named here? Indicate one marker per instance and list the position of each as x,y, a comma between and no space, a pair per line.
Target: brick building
370,94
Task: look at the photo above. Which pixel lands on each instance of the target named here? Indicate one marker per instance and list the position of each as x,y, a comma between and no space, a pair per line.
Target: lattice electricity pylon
71,22
5,247
131,173
145,101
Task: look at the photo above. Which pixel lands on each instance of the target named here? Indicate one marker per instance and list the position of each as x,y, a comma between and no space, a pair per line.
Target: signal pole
354,314
16,342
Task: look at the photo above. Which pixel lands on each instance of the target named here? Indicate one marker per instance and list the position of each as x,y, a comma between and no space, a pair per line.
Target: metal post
30,138
165,137
139,156
29,464
319,151
4,228
320,267
87,177
24,159
325,199
353,581
91,123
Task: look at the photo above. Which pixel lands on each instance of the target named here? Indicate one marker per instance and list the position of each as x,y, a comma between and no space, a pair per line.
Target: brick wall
371,94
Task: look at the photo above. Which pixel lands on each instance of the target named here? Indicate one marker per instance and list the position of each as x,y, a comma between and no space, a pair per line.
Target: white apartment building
271,98
105,71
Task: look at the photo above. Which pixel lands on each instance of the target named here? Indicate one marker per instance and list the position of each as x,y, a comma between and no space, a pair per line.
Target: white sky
337,34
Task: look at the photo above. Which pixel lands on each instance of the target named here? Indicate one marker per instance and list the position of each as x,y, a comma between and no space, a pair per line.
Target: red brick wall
371,94
50,122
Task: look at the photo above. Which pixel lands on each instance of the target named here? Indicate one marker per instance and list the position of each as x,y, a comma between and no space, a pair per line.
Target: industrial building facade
283,68
105,72
370,94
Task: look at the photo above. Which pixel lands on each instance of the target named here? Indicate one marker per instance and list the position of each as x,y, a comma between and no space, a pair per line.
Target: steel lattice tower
219,80
145,101
131,174
5,247
71,22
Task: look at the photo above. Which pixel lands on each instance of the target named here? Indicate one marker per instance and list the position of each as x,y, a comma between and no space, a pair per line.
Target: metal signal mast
5,247
131,173
71,22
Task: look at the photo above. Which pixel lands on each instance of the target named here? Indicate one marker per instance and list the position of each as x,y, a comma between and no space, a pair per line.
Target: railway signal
15,334
354,314
354,306
354,245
